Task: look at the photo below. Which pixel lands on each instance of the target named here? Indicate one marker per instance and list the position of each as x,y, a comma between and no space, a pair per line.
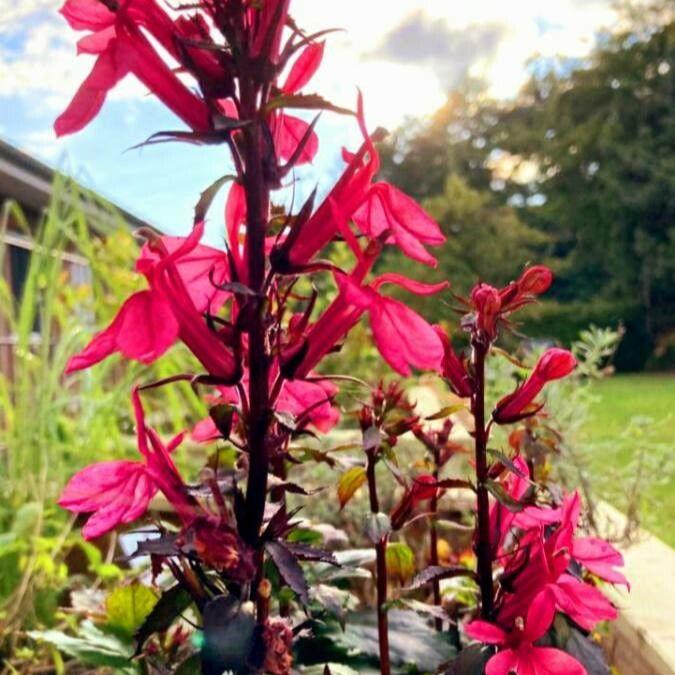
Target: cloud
450,52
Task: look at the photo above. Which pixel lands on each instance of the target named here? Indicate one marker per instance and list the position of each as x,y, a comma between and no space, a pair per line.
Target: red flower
115,493
118,492
542,569
388,211
122,48
402,336
554,364
517,652
150,321
503,520
304,68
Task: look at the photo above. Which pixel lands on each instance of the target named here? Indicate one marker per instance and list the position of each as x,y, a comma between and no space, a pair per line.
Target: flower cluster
230,70
523,535
249,314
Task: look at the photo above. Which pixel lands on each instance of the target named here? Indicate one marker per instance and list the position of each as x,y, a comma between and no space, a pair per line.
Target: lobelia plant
529,563
239,311
232,543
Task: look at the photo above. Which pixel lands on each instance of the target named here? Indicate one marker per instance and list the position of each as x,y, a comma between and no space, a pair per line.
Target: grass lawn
621,398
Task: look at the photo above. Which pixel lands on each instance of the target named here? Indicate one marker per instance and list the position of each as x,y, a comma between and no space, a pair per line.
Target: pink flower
600,558
387,210
542,571
332,216
402,336
503,521
553,364
304,68
150,321
287,132
115,493
517,652
122,48
119,492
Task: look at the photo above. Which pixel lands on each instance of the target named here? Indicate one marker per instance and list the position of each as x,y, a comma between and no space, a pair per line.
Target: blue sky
404,59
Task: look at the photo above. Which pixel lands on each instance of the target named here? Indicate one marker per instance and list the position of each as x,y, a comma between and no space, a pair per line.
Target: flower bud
424,487
487,303
535,280
452,368
554,364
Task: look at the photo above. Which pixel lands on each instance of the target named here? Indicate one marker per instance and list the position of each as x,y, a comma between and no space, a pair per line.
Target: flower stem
433,542
380,572
257,204
483,547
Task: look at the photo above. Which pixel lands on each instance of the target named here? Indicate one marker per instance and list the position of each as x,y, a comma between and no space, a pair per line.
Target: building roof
29,181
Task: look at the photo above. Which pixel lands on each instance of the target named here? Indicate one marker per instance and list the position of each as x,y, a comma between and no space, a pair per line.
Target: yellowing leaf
350,481
400,562
128,606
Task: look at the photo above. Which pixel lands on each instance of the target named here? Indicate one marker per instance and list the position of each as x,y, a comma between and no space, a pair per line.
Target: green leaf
446,412
168,608
400,561
207,196
92,647
350,481
127,607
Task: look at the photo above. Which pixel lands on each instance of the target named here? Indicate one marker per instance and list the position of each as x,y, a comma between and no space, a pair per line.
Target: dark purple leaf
289,569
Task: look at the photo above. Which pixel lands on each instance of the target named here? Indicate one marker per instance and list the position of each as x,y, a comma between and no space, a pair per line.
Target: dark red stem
433,542
483,548
380,572
257,203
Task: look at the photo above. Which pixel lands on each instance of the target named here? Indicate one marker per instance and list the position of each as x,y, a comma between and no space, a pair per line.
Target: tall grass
51,426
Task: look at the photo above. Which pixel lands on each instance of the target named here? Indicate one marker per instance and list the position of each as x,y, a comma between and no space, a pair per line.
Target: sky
405,55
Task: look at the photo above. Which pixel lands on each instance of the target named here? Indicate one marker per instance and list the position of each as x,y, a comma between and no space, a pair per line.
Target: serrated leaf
350,481
289,569
437,573
305,102
207,196
311,554
168,608
498,491
400,561
127,607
